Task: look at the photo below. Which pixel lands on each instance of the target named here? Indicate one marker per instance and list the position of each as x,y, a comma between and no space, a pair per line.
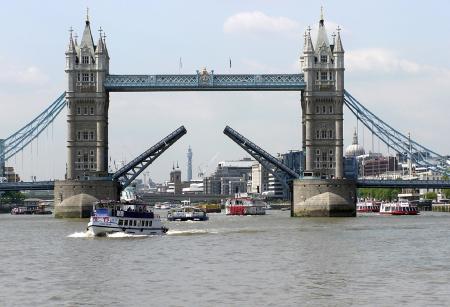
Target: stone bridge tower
322,104
87,107
323,191
87,178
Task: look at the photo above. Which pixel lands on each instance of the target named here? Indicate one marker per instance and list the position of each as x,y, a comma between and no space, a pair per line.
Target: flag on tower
181,64
230,62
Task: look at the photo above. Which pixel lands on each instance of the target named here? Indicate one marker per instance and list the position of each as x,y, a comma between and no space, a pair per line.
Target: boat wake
84,234
90,234
191,232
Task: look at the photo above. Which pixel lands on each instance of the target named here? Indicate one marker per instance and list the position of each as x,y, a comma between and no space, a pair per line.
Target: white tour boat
187,213
368,206
131,218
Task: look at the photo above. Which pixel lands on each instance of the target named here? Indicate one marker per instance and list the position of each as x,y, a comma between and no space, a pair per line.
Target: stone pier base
324,197
74,199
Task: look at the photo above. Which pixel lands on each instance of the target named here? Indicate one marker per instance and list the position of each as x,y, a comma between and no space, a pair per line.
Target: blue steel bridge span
204,81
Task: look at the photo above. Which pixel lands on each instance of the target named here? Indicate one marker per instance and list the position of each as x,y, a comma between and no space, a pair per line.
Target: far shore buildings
230,177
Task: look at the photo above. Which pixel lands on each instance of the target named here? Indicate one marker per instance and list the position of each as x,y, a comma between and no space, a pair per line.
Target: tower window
91,135
79,135
317,134
85,59
317,109
85,77
323,109
324,134
330,134
323,75
92,110
85,135
92,77
324,58
78,111
331,109
79,77
92,153
318,152
85,158
85,110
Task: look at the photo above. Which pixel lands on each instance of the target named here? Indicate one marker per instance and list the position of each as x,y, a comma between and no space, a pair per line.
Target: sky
397,65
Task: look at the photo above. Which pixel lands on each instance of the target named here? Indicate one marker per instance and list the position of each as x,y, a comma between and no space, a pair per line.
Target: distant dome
355,149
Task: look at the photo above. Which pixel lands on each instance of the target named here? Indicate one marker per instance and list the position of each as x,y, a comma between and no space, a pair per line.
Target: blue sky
397,64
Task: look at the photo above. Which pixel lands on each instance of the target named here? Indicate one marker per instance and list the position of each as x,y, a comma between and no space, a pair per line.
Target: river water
271,260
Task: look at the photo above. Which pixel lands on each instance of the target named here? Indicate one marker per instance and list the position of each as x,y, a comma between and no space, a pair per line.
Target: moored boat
368,206
402,207
187,213
210,208
244,206
131,218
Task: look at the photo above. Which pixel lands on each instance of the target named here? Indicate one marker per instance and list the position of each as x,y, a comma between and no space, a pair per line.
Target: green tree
386,194
430,195
12,196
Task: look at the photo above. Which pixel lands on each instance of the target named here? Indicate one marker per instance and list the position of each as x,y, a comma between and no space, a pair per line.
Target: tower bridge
321,190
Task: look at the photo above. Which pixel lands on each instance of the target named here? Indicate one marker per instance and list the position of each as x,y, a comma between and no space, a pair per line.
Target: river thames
271,260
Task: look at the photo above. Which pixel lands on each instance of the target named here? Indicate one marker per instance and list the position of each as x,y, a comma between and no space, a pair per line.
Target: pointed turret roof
322,37
308,46
71,48
338,47
86,39
100,45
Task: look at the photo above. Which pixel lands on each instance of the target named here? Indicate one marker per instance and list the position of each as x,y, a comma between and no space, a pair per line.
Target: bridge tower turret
87,65
322,104
327,193
87,107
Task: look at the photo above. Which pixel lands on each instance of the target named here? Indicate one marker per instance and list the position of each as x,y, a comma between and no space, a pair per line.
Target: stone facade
322,105
87,107
68,205
324,198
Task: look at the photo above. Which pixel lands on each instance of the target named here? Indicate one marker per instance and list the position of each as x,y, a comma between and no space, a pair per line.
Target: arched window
317,134
330,134
331,109
317,109
324,134
323,109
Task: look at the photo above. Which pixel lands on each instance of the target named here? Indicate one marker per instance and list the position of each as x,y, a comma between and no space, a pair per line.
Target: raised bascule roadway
321,190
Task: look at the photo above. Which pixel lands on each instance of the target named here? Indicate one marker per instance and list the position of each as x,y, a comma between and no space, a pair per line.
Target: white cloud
381,60
15,74
258,22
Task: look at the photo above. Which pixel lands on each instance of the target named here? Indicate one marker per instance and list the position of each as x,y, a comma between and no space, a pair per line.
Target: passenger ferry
130,218
244,206
187,213
368,206
402,207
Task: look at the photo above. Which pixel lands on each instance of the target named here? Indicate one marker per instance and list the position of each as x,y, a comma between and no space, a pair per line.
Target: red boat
368,206
244,206
399,208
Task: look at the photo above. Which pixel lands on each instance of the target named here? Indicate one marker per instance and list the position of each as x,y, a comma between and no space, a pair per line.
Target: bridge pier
74,198
323,198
